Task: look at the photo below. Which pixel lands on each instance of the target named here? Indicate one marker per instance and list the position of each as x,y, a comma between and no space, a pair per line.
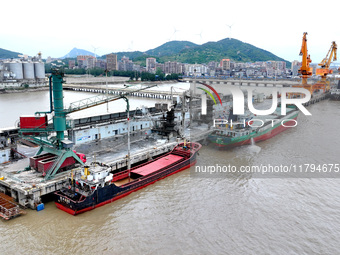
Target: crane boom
98,100
57,145
305,70
326,62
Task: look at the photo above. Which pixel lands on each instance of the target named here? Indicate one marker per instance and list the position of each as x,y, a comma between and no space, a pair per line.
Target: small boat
89,188
8,208
248,129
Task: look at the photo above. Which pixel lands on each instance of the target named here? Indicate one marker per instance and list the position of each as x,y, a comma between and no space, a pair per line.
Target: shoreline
23,90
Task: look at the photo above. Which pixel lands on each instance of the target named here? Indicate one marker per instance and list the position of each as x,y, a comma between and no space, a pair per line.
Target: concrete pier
28,187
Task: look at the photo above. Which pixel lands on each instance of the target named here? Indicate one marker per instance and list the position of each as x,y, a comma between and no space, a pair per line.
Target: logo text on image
238,101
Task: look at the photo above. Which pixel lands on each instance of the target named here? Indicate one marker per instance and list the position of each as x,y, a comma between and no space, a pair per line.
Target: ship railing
181,152
83,194
121,175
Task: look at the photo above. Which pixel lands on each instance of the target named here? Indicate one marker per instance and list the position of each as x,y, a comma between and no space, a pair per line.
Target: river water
199,213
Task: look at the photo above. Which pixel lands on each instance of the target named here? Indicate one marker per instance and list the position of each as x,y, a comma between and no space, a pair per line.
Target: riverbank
22,90
85,80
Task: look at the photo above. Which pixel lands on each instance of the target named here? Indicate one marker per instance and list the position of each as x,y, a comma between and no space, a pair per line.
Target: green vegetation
154,77
8,54
233,49
167,49
133,75
171,48
187,52
180,51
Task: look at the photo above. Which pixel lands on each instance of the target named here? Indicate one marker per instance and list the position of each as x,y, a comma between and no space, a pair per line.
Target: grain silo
39,70
16,68
28,68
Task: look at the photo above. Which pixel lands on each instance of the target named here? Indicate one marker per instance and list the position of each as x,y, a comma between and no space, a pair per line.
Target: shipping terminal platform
28,188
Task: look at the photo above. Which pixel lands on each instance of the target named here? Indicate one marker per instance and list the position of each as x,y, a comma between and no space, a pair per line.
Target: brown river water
206,213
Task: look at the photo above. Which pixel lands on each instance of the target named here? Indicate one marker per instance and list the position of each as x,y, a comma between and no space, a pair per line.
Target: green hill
233,49
166,49
8,54
171,48
187,52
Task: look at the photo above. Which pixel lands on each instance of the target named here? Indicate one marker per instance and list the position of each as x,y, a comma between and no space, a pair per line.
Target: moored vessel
89,188
248,129
335,93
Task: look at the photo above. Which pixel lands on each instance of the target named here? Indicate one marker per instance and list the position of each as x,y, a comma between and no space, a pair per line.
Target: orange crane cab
305,70
324,70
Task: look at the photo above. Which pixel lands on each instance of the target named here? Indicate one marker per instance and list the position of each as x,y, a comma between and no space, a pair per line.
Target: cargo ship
248,129
335,93
91,187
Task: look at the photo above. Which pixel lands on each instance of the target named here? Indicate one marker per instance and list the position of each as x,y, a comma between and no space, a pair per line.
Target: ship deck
28,187
157,165
123,181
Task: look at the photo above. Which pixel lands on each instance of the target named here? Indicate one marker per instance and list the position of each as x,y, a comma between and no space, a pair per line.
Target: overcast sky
55,27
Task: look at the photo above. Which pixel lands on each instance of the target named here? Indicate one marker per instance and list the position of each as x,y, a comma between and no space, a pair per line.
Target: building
125,64
49,60
101,64
225,64
71,64
195,69
111,62
22,72
91,62
81,60
159,66
151,65
295,67
173,67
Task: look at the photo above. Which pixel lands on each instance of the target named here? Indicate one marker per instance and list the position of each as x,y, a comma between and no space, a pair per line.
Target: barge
90,188
8,208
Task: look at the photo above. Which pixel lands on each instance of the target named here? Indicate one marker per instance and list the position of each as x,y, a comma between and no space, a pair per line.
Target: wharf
28,188
317,98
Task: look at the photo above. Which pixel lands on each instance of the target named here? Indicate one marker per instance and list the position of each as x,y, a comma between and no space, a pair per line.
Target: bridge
166,95
246,82
148,93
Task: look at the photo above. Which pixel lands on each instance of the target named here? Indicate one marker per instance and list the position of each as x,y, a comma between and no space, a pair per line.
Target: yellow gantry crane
324,70
305,70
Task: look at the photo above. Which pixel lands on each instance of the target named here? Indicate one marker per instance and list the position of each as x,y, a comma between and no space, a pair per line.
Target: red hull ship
244,134
91,188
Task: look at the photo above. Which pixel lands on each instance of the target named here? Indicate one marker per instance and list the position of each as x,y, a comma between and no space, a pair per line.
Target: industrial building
22,72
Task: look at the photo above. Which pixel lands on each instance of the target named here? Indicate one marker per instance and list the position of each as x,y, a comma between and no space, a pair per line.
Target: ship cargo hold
91,188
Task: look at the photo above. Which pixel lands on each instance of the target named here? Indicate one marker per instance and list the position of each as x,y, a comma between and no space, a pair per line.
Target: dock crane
324,70
37,127
305,70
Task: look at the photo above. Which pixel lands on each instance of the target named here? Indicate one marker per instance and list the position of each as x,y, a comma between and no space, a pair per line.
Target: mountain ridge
76,52
8,54
186,52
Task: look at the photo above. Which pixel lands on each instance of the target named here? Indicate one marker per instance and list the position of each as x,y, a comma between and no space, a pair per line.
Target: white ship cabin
96,174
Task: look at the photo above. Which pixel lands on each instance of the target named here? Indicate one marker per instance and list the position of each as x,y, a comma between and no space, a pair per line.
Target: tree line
133,75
